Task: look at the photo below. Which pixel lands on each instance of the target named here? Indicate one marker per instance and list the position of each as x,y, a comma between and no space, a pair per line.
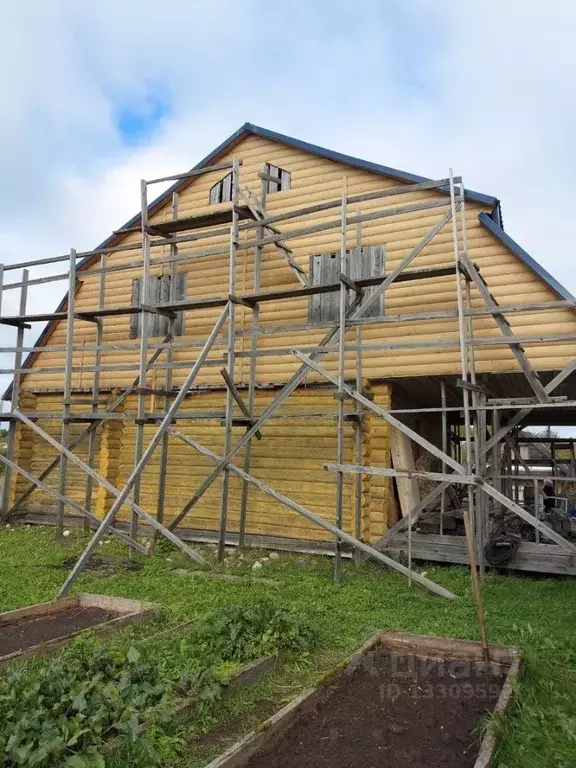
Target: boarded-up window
325,270
280,180
160,290
221,192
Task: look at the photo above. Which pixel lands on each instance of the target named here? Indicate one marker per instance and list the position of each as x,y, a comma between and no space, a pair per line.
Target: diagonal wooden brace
260,215
517,419
342,535
522,414
459,468
237,397
122,496
90,429
505,329
105,525
71,503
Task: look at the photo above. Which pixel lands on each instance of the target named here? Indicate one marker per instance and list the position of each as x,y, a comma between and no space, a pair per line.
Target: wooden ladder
260,215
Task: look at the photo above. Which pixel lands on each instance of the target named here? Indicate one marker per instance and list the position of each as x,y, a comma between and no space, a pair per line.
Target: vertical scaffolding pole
341,371
65,432
444,449
462,340
481,512
253,366
230,359
358,421
479,424
92,435
164,446
536,510
517,469
142,369
496,453
481,497
10,450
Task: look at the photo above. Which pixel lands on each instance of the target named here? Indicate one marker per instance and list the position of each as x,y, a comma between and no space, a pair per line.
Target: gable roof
490,221
249,129
493,227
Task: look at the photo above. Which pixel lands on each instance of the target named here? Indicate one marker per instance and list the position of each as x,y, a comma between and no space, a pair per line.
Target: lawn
538,614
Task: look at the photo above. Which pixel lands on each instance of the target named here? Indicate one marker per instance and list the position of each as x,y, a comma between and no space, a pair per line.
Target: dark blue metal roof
488,222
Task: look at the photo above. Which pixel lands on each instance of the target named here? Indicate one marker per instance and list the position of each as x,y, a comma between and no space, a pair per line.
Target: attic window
325,270
278,180
160,290
221,192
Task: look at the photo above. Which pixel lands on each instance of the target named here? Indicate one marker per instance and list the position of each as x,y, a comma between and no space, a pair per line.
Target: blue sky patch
137,122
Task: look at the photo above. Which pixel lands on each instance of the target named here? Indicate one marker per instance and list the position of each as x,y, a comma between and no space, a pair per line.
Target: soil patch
33,630
393,711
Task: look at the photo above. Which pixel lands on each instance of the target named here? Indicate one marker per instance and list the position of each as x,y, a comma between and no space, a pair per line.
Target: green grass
538,614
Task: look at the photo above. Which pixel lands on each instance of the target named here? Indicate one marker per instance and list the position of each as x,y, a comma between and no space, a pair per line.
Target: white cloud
422,85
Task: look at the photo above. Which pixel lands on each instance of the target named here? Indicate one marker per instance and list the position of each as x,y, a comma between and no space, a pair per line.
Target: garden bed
42,628
401,701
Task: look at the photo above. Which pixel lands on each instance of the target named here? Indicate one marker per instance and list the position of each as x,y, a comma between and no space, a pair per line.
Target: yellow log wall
315,179
41,454
290,458
23,450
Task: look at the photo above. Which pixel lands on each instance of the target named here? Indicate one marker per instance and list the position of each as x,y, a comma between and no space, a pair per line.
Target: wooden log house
403,360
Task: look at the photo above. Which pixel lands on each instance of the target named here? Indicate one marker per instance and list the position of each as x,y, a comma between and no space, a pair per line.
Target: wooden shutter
377,267
324,269
135,302
330,302
164,298
153,299
270,171
370,264
179,294
215,194
314,299
227,188
283,178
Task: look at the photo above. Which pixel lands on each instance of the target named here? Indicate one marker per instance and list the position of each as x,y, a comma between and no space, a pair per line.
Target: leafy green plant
68,710
246,632
59,712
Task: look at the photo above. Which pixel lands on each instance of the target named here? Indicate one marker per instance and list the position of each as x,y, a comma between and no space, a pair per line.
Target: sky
97,95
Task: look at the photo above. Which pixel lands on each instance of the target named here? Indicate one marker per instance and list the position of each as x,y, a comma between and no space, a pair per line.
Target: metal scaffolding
462,456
